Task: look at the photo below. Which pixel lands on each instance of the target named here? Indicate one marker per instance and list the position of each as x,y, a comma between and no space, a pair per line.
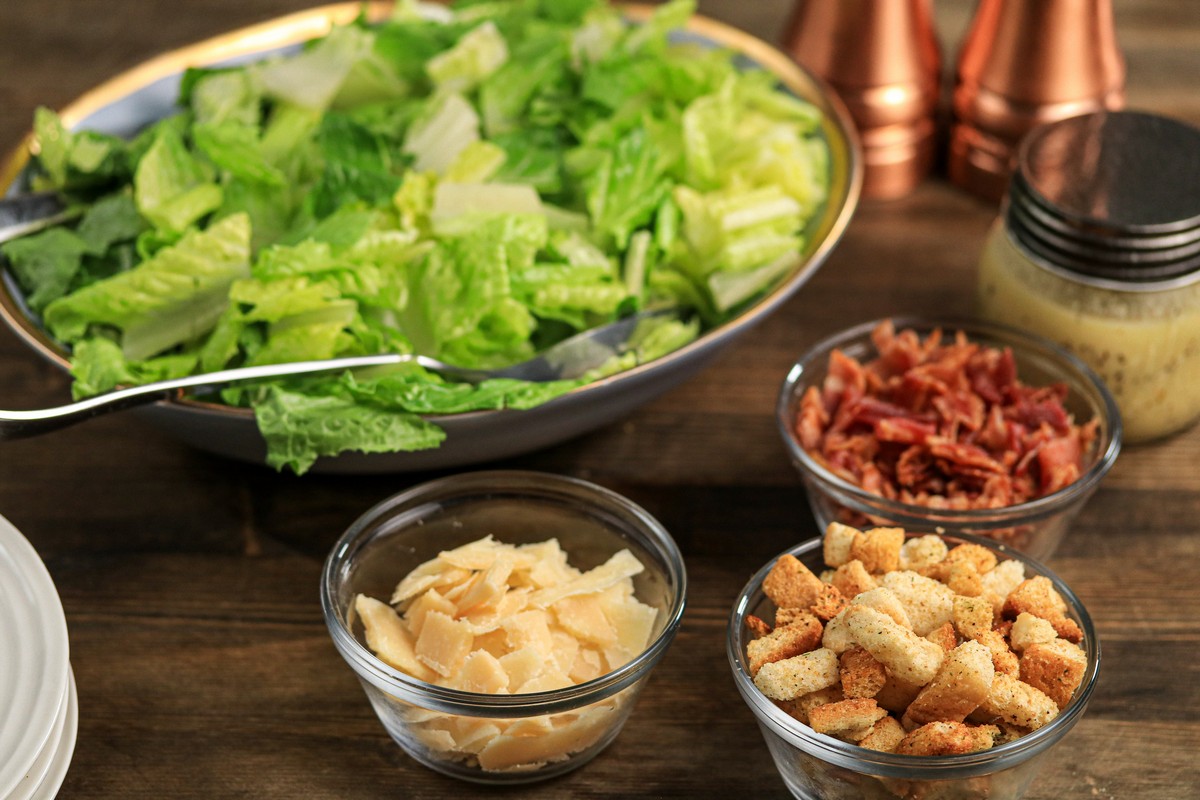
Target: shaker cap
1112,195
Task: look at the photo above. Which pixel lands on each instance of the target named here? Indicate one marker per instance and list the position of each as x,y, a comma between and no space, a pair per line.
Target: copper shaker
883,60
1024,63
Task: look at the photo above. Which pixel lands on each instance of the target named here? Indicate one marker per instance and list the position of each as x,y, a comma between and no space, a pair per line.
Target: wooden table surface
190,583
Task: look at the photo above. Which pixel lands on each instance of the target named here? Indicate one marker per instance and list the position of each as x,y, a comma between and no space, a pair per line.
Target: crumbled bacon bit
942,422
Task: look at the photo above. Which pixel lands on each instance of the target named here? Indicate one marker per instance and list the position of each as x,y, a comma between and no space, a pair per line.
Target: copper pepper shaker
883,60
1024,63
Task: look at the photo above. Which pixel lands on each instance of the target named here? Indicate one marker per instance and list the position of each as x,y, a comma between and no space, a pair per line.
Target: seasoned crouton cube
838,540
977,555
758,626
878,549
785,642
862,675
848,720
896,695
790,616
1056,668
1003,659
964,578
922,552
790,584
944,637
972,616
1016,703
800,707
1000,581
1028,630
798,675
829,602
837,635
962,683
884,736
947,739
885,601
1038,596
928,603
852,578
905,654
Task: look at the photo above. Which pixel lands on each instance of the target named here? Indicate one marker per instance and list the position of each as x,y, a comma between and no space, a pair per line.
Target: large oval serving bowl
128,102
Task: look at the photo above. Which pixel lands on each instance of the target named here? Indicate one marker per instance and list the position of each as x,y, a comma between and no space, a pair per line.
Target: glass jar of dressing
1098,248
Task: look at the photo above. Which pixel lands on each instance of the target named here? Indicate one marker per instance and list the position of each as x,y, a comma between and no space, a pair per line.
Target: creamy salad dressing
1144,344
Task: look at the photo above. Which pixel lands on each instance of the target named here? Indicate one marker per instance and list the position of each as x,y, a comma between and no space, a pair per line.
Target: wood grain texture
190,583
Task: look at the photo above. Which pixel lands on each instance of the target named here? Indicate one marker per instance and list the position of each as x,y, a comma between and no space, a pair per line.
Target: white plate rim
35,664
61,762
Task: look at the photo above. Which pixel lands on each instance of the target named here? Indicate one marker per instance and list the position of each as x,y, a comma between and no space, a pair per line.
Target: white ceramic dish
61,759
44,776
126,103
33,659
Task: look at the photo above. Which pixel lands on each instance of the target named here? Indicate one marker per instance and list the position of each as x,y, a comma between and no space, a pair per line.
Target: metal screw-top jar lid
1113,196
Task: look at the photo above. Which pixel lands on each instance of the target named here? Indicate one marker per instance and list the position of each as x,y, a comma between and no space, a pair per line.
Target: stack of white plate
39,713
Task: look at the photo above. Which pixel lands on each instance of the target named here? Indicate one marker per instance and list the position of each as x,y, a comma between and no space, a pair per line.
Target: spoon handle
22,424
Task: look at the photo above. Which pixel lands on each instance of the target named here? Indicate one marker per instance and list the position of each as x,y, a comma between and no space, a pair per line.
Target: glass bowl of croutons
956,426
502,623
885,664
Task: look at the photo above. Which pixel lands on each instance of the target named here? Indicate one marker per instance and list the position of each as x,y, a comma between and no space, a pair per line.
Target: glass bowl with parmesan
503,623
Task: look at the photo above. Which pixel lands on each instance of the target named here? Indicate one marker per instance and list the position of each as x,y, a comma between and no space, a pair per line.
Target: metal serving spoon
23,214
570,358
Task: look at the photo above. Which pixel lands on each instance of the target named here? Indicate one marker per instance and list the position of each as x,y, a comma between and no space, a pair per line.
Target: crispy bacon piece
942,422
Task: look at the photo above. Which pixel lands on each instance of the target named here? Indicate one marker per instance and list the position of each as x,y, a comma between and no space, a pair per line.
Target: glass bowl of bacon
873,677
954,426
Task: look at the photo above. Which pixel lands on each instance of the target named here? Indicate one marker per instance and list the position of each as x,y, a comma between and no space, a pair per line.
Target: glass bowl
1035,527
569,726
819,767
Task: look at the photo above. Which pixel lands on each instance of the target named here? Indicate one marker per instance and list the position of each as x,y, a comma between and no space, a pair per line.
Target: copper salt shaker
1024,63
883,60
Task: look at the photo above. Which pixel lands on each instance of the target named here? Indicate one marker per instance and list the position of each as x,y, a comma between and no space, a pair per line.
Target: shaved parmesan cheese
622,565
386,635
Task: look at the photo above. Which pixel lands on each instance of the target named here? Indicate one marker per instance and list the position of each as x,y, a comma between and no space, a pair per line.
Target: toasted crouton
1038,596
905,654
829,602
977,555
896,695
1016,703
800,707
1056,668
1006,576
964,578
862,675
789,616
944,637
962,683
852,578
884,736
878,549
836,545
790,640
1003,659
1028,630
972,616
928,603
884,600
758,626
922,552
799,675
790,584
947,739
837,636
849,720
